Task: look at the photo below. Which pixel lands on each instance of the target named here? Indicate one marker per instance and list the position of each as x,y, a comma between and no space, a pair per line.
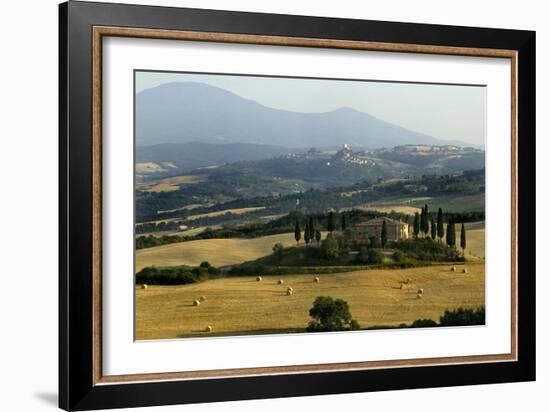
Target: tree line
424,224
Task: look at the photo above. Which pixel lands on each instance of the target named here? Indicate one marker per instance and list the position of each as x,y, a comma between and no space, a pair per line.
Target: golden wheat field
475,240
241,305
219,252
171,184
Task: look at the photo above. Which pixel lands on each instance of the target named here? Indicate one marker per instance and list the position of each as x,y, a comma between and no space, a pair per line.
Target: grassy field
219,252
465,203
170,184
187,207
239,211
240,305
190,232
455,203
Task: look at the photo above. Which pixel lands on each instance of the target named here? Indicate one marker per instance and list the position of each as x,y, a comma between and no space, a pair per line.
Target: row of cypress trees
425,224
311,232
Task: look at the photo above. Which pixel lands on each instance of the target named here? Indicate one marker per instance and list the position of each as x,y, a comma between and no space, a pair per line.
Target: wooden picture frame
83,26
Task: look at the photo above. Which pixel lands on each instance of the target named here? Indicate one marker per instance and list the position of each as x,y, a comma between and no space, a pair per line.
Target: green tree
463,239
440,227
423,218
330,314
278,250
307,237
426,226
384,234
318,236
369,256
330,249
462,316
416,225
433,228
344,224
297,232
331,225
311,228
451,235
424,323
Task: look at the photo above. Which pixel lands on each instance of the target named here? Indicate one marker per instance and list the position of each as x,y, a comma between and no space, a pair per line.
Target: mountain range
182,112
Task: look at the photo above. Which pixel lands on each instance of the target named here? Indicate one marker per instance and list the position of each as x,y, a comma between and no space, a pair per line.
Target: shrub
463,317
424,323
398,256
426,250
330,315
330,248
177,275
369,256
278,250
205,264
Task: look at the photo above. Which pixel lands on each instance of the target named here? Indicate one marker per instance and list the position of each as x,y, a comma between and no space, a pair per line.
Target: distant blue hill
190,112
192,155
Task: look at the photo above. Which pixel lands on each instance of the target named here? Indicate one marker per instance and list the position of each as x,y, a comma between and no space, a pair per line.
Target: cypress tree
384,234
344,225
311,228
451,235
422,220
318,236
434,229
307,237
463,238
297,232
440,228
426,227
331,222
416,225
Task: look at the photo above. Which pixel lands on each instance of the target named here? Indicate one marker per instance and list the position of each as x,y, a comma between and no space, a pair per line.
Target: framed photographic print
258,205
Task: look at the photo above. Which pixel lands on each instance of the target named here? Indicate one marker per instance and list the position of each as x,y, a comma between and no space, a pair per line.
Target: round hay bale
144,286
402,286
409,280
420,291
289,292
280,282
209,328
259,279
419,296
453,269
465,270
289,288
202,298
196,303
316,279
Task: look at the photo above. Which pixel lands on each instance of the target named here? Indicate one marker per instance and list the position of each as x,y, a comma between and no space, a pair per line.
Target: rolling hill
192,155
189,111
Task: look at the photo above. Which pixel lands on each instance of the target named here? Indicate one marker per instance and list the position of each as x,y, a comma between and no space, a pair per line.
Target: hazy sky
443,111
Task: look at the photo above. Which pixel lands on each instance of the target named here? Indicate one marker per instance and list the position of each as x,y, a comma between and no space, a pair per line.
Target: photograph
279,205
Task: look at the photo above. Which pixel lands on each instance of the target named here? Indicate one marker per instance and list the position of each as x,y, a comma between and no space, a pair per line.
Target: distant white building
346,151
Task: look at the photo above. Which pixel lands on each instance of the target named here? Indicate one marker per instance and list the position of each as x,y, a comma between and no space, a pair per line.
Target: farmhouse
396,230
